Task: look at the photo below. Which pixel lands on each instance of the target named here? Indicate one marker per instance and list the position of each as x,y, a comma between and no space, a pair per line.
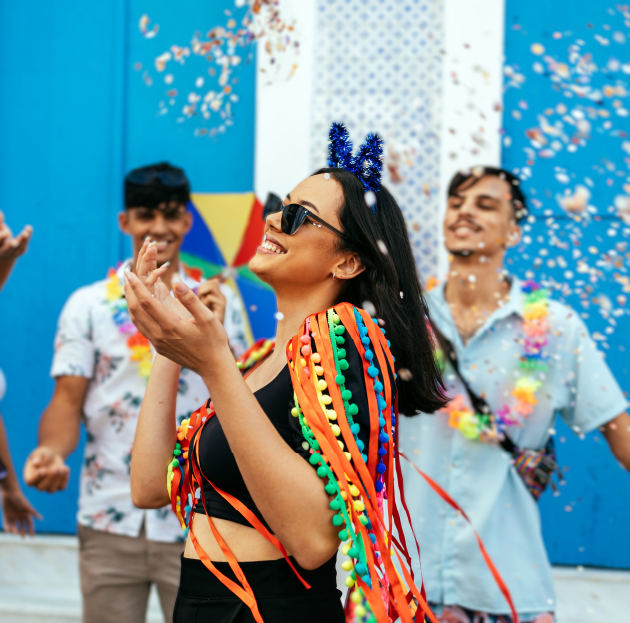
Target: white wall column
283,107
472,82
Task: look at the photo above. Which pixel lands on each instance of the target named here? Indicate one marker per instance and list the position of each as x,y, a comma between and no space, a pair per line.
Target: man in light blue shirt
479,310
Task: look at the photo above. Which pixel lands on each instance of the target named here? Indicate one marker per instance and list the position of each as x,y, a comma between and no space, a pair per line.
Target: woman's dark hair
390,283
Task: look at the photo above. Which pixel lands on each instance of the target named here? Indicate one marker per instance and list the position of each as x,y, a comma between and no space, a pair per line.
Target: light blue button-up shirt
578,385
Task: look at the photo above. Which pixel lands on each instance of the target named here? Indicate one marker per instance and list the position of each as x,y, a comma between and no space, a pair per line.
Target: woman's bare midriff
247,544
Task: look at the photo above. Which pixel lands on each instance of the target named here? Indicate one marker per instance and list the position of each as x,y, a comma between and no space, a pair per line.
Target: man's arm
617,433
59,430
17,512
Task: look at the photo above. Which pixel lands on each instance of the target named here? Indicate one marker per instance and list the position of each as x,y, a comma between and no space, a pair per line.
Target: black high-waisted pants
281,597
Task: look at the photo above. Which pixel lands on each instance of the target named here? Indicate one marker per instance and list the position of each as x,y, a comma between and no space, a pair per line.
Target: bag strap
479,404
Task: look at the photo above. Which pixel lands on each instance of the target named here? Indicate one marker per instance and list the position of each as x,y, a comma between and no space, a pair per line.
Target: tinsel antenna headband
366,165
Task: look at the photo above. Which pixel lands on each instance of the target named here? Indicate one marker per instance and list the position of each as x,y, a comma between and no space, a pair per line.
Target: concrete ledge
587,595
39,583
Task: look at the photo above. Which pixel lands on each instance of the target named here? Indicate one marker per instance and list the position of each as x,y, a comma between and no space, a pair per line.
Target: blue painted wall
74,116
586,524
75,113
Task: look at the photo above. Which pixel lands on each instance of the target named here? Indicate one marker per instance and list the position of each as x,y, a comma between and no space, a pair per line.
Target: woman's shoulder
342,325
346,345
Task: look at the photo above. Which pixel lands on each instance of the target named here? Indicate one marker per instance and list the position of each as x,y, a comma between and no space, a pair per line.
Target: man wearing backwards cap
513,360
101,365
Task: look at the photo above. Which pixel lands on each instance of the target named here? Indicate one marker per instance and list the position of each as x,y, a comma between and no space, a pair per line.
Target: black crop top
276,399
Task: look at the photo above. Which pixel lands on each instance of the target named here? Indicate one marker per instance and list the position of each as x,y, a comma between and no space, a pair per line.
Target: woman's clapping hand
182,329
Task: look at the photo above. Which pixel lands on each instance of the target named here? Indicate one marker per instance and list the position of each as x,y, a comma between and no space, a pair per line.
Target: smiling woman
245,474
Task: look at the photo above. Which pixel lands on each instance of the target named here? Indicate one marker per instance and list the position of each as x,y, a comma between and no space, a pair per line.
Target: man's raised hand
210,295
12,247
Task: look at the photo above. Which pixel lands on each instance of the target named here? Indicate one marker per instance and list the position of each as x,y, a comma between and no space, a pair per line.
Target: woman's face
309,257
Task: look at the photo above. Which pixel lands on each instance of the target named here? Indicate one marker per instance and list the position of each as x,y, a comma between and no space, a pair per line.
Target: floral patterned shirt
90,344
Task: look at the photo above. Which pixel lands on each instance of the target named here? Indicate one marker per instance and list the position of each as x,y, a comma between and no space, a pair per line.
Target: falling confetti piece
368,306
577,202
161,60
143,24
432,283
622,205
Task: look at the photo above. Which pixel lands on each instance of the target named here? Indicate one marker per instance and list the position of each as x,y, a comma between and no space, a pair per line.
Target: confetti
225,48
382,247
143,24
279,316
577,202
622,204
575,240
368,306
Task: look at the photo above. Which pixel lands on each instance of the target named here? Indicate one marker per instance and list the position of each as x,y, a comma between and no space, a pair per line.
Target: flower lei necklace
490,427
139,346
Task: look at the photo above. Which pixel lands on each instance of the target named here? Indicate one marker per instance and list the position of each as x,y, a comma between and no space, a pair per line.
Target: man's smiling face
167,225
480,217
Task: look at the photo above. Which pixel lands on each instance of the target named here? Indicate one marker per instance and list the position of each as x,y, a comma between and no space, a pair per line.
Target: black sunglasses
173,179
294,215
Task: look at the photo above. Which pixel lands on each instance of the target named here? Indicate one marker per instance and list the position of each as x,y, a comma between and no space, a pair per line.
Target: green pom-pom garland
341,519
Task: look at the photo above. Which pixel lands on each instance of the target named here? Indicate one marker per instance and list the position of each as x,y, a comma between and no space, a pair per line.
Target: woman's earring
334,278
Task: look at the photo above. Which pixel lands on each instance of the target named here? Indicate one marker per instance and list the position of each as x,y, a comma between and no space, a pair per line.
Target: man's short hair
518,197
155,184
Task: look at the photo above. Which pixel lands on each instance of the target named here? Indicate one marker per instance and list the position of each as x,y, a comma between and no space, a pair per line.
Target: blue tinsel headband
366,165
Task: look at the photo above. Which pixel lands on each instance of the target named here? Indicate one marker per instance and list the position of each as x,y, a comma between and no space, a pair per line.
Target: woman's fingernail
165,265
126,276
175,278
127,269
147,238
180,287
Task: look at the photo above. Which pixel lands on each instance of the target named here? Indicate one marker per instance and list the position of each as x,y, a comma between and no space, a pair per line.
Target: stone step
587,595
39,581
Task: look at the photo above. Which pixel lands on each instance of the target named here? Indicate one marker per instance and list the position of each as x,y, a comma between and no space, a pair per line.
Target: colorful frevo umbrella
226,231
